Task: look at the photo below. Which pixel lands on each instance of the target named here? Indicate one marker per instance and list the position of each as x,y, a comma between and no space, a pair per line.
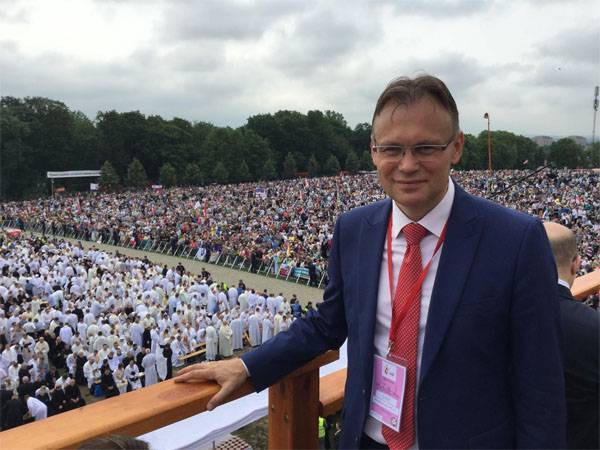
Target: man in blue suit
581,345
476,327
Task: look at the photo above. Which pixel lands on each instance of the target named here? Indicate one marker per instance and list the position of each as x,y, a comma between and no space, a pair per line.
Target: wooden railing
586,285
293,413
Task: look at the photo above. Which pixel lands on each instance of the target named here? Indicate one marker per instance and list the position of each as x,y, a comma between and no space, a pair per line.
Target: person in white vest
212,343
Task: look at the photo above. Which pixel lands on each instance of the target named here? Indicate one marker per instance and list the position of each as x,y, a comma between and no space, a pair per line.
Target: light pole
489,136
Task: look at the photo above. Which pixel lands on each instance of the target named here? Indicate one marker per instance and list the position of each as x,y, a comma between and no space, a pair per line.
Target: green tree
168,175
313,166
269,172
366,162
474,154
352,163
109,178
192,175
136,174
220,173
566,153
123,137
254,149
592,155
361,138
243,172
332,165
289,166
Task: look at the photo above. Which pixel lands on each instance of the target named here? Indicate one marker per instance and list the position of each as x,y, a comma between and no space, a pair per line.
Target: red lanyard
397,321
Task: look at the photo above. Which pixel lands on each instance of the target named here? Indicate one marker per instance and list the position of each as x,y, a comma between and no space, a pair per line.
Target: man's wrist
245,367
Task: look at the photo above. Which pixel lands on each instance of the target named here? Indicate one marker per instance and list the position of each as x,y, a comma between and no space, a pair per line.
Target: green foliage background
39,135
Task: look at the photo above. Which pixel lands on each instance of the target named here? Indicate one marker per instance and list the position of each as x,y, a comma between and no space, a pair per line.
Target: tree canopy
41,134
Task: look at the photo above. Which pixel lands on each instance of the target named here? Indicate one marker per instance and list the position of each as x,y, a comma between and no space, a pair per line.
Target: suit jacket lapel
371,241
460,246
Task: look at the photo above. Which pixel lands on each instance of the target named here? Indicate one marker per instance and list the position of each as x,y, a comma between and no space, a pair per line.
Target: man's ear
457,147
575,265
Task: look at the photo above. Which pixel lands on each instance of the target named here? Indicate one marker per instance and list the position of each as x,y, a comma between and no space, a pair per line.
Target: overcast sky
531,64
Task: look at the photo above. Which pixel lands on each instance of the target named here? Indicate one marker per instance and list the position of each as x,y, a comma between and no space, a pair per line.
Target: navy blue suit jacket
491,372
581,338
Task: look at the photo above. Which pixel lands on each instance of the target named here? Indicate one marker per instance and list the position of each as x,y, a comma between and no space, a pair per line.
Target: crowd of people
73,320
290,223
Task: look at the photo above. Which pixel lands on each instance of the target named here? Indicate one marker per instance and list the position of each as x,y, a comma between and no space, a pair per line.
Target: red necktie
405,342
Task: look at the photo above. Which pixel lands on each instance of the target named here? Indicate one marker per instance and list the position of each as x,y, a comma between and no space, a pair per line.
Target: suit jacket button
364,392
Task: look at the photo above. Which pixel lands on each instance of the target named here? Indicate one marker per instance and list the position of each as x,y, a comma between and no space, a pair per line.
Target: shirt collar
433,221
564,283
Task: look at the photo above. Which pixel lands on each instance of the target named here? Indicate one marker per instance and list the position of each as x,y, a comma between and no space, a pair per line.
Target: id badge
387,394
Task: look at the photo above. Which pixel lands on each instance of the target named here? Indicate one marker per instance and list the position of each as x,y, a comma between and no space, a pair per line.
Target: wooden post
294,412
294,407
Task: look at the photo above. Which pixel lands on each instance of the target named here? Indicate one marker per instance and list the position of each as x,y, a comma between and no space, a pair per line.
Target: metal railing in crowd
286,270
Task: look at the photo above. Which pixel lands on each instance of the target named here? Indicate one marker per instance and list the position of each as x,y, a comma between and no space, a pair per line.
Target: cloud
573,46
224,19
439,9
12,12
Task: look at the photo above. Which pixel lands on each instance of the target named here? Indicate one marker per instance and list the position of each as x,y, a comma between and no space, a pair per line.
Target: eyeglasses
421,152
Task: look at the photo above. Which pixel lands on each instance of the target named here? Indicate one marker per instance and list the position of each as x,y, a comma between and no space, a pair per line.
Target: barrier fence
285,270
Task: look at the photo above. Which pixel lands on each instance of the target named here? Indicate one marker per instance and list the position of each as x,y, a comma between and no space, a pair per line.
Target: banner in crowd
260,192
300,272
73,174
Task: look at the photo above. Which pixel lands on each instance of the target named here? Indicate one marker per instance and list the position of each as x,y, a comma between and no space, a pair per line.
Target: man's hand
230,374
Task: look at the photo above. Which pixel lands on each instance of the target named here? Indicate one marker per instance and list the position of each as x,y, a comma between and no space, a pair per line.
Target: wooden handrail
130,413
331,392
585,285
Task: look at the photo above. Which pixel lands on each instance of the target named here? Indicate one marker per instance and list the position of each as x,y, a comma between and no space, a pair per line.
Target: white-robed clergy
120,379
132,373
225,340
178,350
37,408
277,323
267,329
254,330
161,364
89,369
212,343
149,365
237,327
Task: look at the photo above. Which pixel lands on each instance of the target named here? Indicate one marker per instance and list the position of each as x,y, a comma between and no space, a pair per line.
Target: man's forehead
428,111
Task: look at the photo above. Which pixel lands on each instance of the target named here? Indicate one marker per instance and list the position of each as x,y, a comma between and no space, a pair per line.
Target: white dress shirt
434,222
